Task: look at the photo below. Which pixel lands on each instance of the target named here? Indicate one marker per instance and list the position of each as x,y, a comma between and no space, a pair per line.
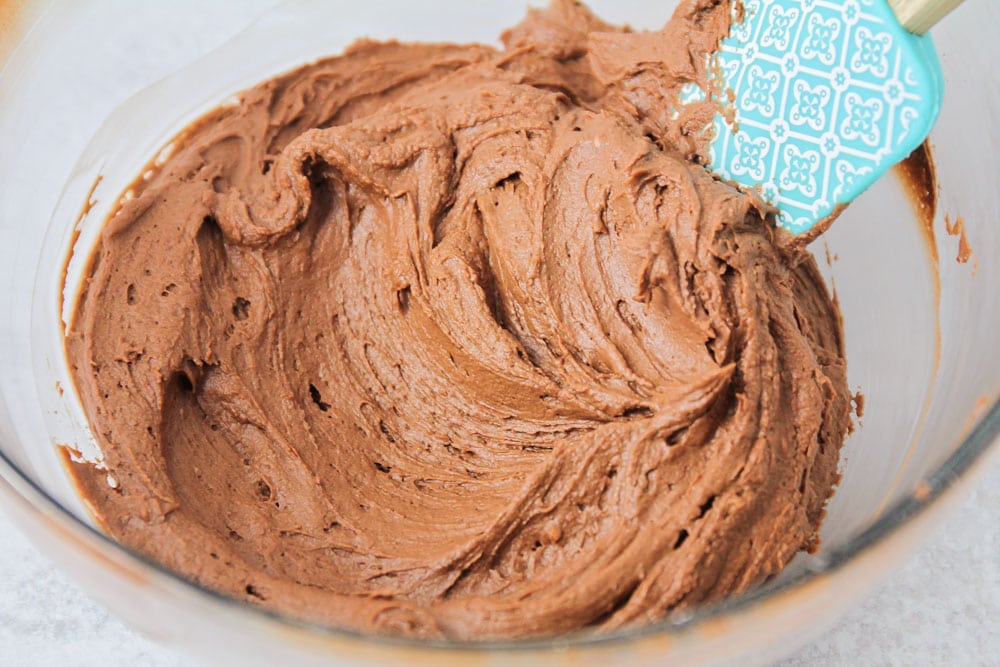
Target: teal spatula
822,98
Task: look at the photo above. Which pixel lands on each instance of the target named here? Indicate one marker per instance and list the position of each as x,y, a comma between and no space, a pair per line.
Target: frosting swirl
439,340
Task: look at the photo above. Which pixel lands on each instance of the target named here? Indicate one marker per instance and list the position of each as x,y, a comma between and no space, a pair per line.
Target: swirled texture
446,341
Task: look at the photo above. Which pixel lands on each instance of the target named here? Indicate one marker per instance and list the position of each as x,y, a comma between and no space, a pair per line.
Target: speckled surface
940,608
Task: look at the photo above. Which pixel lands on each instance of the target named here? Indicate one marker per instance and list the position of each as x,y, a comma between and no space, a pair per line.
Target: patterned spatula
820,98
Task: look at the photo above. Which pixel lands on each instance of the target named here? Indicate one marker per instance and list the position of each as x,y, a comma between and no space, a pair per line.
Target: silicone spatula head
820,98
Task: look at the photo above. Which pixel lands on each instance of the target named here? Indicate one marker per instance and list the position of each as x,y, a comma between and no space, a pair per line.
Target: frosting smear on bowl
442,340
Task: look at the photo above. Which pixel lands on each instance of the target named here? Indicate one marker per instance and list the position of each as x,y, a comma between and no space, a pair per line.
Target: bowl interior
920,331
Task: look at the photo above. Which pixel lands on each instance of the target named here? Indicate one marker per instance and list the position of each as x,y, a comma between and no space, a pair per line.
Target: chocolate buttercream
449,341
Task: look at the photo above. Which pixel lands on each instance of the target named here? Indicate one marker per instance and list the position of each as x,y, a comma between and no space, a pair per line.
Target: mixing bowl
84,106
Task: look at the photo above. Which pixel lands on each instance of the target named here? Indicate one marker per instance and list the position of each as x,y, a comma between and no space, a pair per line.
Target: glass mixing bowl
82,96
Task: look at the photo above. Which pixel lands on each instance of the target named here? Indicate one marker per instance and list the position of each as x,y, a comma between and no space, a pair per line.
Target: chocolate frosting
449,341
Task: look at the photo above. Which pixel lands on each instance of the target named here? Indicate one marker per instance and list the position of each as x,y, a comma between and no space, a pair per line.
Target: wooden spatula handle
918,16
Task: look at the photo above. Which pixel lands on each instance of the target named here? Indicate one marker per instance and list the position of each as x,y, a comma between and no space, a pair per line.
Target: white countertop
941,608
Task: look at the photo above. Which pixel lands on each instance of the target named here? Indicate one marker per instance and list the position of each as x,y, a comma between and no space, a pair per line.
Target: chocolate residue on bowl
956,227
89,203
918,174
